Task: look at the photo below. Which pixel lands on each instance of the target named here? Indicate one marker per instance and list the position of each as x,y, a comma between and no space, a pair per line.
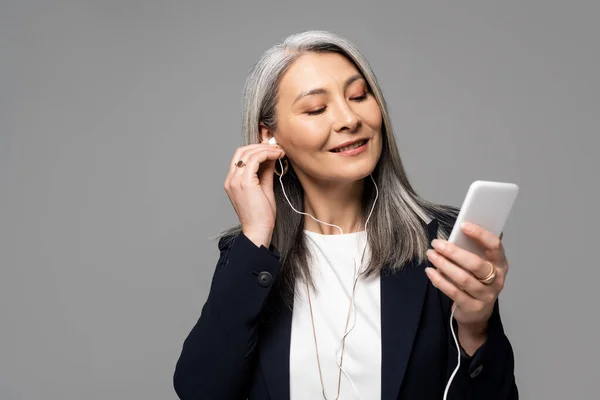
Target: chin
350,174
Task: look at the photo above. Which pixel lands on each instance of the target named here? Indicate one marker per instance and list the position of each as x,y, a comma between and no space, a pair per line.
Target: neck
338,204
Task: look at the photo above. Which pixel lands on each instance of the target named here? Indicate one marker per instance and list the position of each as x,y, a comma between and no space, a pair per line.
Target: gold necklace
312,320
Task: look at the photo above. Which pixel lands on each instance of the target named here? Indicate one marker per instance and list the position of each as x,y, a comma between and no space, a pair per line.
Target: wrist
259,237
472,337
474,330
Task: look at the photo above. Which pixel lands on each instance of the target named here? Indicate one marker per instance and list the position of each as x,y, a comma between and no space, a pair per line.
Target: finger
254,160
463,258
461,277
248,153
462,299
240,152
267,169
237,156
266,174
490,242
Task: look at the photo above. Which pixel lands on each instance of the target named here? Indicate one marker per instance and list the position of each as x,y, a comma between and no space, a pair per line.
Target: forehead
313,70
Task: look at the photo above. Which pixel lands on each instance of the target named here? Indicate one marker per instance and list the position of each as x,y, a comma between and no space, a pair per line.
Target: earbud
272,141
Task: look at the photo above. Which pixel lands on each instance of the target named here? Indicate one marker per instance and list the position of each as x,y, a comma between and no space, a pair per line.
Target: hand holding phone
487,204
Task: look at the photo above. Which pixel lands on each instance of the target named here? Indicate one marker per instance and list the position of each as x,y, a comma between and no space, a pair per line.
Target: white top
333,272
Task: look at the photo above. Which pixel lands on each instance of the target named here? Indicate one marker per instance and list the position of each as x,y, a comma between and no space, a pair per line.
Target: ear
264,132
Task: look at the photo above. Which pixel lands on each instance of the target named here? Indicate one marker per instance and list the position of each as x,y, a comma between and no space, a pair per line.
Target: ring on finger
491,276
240,164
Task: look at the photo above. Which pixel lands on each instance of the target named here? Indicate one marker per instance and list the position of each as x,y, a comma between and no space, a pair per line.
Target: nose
345,118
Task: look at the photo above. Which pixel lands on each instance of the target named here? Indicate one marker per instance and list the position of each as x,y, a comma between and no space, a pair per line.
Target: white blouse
333,273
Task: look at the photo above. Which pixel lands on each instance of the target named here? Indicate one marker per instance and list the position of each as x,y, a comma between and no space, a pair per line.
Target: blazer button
265,279
476,371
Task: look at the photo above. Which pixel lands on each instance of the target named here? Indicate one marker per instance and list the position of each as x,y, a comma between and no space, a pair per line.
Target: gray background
118,120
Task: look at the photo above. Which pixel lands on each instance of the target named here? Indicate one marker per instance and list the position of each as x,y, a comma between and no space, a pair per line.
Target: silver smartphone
487,204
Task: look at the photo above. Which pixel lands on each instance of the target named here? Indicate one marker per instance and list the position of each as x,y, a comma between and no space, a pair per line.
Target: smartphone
487,204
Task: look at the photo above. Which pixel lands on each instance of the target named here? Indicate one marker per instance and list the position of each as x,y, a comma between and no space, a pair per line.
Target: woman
327,289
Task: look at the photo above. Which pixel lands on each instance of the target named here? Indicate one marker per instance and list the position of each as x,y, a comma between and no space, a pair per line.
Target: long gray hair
395,232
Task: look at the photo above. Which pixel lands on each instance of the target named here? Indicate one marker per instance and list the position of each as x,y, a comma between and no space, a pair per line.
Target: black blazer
232,353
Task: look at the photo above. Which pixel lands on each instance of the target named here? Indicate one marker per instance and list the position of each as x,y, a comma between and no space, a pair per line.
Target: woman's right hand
250,190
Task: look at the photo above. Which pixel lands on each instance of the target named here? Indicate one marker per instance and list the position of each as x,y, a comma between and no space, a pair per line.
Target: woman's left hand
459,274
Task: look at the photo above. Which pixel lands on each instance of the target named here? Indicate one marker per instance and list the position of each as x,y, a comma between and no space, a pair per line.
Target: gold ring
240,164
491,276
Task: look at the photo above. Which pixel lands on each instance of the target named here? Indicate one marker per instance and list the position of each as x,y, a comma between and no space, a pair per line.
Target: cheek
308,132
371,116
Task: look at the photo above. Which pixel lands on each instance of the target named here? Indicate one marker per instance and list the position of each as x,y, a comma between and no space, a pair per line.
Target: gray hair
395,232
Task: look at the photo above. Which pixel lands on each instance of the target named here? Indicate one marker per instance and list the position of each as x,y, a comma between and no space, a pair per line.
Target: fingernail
438,244
467,227
429,273
431,254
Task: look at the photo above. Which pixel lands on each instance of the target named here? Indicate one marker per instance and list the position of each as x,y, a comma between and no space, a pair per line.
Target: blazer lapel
275,352
402,297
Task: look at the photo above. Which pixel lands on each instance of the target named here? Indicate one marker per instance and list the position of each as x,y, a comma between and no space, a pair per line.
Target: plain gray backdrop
118,121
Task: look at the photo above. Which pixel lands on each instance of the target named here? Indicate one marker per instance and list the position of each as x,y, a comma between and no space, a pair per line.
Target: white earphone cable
356,275
457,348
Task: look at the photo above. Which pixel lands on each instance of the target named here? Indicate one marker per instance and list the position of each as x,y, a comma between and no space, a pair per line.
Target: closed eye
322,109
316,112
359,98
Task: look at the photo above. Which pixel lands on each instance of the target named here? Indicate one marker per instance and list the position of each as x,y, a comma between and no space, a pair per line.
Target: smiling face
328,121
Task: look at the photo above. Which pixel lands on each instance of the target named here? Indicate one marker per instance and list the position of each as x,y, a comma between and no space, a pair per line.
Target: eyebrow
311,92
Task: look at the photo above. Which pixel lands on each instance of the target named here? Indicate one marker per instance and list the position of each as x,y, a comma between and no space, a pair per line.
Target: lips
350,146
